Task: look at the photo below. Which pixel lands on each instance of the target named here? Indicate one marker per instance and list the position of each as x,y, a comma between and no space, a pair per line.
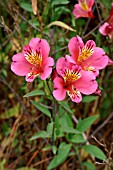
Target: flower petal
46,66
90,44
98,60
86,84
20,65
79,12
59,91
40,45
90,3
74,46
34,43
103,29
45,48
30,78
75,96
59,65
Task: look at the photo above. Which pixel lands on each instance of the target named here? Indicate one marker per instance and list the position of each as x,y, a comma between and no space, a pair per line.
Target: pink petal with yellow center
79,12
59,91
98,60
86,84
20,65
40,45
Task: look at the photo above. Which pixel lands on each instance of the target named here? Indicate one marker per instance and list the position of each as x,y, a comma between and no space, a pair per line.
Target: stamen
86,52
84,5
33,57
90,68
71,75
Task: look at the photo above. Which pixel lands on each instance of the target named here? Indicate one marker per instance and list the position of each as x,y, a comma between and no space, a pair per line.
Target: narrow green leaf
89,165
95,151
83,125
41,134
26,6
57,2
87,99
69,130
77,138
41,108
66,121
62,155
61,24
34,93
65,106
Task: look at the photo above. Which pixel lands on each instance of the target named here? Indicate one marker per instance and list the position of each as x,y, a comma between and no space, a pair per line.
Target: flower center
33,57
85,53
71,75
84,5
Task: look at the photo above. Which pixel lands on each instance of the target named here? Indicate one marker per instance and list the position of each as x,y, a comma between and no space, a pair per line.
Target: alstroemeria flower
107,27
73,81
88,56
33,60
83,9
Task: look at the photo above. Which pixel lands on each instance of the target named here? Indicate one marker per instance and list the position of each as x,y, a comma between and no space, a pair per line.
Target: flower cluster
75,74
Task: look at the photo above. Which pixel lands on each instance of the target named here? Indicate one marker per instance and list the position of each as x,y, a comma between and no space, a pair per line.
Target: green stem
55,108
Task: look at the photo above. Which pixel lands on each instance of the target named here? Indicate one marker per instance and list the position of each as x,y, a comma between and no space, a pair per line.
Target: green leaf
87,99
41,134
69,130
34,93
77,138
89,165
26,6
65,121
65,106
95,151
62,155
61,24
83,125
61,2
41,108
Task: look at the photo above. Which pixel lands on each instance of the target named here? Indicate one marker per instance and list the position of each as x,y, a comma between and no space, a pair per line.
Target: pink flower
33,60
107,27
83,9
88,56
73,81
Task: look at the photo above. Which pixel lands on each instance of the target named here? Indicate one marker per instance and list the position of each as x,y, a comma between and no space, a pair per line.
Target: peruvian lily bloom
73,81
88,56
83,9
107,27
33,60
